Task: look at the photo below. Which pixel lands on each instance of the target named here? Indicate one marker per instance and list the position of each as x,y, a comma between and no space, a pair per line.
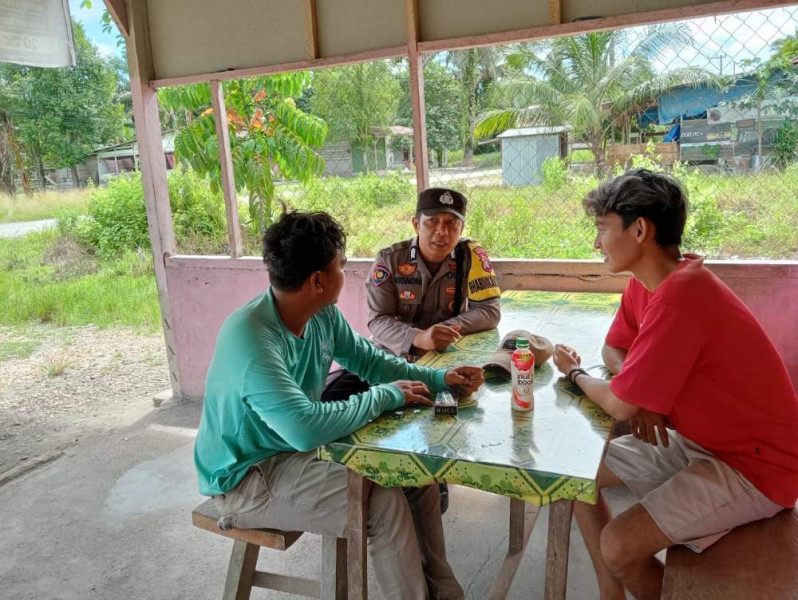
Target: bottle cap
522,342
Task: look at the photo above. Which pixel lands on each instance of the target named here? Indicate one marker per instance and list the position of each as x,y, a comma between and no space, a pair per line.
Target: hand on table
415,392
644,425
437,337
566,358
465,380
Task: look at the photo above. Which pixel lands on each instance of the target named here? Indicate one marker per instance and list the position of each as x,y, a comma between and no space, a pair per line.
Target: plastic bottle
522,372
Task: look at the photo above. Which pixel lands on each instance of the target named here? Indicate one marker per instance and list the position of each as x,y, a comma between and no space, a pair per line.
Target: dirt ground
61,385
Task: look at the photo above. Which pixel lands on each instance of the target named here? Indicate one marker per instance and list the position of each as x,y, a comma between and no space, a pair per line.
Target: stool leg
333,568
241,571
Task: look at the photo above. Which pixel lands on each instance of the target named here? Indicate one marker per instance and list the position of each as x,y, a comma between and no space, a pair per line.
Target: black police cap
437,200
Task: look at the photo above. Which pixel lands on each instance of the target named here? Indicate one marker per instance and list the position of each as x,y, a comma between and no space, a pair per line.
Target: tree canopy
592,83
355,99
58,116
269,135
443,105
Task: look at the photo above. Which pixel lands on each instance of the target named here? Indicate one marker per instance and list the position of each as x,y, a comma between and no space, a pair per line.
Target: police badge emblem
446,198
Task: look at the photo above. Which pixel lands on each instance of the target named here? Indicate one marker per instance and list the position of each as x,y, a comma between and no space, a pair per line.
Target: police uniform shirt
405,298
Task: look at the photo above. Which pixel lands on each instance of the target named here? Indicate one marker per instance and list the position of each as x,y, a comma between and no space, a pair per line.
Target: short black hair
657,197
299,244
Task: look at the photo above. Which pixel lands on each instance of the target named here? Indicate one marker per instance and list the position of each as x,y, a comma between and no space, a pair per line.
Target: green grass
16,349
582,155
50,277
49,205
121,291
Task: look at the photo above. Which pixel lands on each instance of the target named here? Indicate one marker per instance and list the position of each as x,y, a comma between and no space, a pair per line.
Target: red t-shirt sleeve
623,330
661,358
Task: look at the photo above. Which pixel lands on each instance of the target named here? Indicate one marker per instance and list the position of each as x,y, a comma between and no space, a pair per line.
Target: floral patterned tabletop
551,453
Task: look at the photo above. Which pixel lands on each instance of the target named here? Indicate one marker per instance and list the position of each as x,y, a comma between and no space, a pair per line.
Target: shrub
117,217
555,172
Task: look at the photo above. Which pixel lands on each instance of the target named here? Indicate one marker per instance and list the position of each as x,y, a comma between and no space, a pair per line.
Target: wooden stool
758,560
242,575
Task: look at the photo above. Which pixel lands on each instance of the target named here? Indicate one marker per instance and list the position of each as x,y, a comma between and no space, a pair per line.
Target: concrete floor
112,520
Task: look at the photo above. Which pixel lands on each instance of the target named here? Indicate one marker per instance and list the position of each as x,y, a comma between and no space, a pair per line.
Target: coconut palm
476,69
269,135
592,83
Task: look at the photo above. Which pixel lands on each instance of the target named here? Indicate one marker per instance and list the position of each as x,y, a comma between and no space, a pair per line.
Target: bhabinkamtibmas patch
380,274
482,284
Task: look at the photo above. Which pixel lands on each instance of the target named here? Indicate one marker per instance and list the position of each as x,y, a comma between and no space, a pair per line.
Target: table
549,456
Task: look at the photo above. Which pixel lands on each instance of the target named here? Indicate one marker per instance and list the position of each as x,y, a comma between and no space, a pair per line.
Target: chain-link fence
525,130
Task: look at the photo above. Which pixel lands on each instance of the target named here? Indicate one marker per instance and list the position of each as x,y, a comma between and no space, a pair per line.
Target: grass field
52,277
42,205
45,279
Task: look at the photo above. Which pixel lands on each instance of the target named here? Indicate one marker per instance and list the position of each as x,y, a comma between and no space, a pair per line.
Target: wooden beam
559,539
153,167
555,12
521,525
357,572
226,166
303,65
416,65
602,24
118,11
311,29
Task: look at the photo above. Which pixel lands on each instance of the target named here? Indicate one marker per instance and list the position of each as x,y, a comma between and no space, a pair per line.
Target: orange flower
260,96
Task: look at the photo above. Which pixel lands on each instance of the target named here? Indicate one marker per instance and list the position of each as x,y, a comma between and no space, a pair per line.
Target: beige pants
297,491
694,497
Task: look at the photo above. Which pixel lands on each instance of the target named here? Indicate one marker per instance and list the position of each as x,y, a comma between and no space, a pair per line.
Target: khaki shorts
694,497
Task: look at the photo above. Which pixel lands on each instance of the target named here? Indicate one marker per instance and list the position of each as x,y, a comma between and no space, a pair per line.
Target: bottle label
522,372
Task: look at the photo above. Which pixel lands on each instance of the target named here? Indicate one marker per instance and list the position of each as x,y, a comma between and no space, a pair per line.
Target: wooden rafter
555,12
118,11
311,29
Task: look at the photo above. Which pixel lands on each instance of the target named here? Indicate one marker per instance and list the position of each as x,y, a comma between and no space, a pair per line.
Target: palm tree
592,83
268,135
476,69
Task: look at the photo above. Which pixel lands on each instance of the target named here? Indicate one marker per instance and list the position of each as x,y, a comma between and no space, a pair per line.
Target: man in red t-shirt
690,357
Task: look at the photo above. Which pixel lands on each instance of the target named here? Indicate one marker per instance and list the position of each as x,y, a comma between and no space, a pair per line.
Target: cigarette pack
445,404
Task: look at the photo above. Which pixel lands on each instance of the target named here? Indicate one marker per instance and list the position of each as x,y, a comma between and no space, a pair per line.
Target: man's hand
437,337
415,392
644,425
566,358
465,380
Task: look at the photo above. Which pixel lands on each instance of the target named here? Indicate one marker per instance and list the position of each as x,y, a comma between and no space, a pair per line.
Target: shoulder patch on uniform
379,274
482,284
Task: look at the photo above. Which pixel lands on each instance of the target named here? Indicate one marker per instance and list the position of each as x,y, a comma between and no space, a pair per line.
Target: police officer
427,292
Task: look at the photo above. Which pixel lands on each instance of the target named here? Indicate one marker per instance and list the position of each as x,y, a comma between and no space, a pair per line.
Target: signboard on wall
698,130
37,33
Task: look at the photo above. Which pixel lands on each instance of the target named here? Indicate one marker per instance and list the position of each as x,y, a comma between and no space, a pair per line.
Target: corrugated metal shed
525,149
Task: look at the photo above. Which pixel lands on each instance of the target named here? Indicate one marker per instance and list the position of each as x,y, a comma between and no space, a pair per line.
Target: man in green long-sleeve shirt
262,419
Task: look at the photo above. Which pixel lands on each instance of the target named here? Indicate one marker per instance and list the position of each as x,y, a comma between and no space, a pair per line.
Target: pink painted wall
204,291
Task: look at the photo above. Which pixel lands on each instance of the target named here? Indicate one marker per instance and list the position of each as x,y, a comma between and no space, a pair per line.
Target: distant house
107,162
525,149
709,125
350,158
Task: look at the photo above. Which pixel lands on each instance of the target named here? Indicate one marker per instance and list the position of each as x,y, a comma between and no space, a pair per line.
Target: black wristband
576,372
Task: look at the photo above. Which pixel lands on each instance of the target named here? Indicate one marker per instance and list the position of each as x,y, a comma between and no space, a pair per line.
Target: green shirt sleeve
272,393
356,354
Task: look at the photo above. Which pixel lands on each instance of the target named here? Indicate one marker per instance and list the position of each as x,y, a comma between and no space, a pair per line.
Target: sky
720,42
91,20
